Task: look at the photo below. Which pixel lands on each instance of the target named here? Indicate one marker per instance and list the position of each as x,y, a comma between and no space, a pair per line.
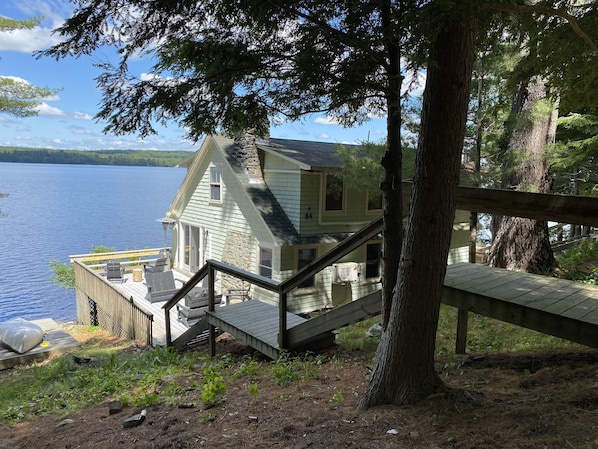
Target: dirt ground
509,401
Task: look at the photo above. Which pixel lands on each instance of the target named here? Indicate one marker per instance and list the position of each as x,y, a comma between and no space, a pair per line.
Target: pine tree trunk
520,243
392,188
403,369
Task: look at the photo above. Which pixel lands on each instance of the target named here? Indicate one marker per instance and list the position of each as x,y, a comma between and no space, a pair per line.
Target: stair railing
351,243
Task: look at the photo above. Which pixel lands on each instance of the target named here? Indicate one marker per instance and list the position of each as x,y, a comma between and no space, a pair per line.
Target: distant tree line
146,158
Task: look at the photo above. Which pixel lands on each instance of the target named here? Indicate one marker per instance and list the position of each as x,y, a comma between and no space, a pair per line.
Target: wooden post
167,323
282,332
461,341
211,328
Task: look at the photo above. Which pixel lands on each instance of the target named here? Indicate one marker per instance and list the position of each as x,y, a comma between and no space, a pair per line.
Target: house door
192,255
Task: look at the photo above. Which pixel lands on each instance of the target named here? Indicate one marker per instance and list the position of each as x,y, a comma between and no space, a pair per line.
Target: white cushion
20,335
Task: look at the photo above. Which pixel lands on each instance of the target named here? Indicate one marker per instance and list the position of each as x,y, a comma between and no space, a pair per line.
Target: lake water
53,211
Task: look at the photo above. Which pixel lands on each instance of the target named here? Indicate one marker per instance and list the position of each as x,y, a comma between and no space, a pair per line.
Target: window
265,262
373,262
333,200
305,256
215,183
374,200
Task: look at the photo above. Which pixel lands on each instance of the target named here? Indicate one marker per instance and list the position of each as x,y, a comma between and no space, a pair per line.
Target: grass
114,372
141,378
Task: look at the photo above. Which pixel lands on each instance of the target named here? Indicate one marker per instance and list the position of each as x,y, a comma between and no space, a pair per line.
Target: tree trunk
392,187
520,243
403,370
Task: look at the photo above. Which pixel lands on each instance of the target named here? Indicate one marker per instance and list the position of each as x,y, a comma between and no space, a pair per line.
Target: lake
53,211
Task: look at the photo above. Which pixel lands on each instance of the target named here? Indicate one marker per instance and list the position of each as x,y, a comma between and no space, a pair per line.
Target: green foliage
287,369
146,158
63,274
580,263
213,387
253,390
338,397
7,24
249,367
62,386
18,97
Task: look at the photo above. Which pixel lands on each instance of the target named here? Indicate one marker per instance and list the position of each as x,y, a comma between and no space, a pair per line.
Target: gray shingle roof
264,201
315,155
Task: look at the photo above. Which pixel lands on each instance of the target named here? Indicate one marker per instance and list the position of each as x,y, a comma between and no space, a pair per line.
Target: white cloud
44,109
323,136
326,121
27,41
82,116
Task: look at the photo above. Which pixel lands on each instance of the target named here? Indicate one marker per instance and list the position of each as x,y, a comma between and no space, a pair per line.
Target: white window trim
219,184
259,261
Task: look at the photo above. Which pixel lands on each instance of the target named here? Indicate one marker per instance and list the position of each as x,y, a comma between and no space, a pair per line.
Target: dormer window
216,183
334,193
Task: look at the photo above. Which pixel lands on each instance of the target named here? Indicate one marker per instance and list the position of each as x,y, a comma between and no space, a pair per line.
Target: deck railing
99,303
281,288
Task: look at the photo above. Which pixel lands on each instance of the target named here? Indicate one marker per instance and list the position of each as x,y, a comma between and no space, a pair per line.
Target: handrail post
211,328
167,323
282,331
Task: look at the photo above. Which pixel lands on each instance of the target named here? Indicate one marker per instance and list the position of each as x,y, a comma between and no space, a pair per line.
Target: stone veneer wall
238,250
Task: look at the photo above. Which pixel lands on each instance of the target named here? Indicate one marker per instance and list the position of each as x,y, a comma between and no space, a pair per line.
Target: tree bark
403,370
392,187
520,243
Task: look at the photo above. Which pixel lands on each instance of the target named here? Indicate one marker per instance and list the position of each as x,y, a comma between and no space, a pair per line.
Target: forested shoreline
146,158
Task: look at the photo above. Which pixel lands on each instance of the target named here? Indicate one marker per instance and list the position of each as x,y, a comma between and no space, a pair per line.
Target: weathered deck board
138,290
558,307
253,322
58,341
553,306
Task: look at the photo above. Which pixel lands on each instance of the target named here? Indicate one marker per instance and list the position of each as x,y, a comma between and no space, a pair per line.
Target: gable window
305,256
215,182
373,260
374,198
333,200
265,262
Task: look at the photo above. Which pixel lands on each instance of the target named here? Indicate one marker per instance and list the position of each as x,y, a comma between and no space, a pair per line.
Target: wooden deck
256,324
558,307
57,341
138,290
553,306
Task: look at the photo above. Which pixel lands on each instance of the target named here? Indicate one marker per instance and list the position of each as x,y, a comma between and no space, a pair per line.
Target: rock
64,422
114,407
186,405
375,331
135,420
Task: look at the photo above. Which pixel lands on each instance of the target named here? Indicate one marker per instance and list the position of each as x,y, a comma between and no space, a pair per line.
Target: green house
270,206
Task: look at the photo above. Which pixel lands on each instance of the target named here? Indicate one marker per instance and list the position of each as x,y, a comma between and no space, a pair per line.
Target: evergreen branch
572,20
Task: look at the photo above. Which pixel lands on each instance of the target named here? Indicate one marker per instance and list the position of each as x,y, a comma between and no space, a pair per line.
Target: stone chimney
246,153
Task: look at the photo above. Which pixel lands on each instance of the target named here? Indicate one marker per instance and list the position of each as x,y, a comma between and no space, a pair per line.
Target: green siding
286,188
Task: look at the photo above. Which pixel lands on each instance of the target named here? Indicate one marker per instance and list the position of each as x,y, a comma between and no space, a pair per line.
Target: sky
67,120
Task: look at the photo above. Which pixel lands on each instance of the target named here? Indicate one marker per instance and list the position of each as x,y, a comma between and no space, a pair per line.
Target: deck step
257,325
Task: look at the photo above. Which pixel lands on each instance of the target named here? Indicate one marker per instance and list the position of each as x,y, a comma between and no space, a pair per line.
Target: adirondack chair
160,286
115,272
196,304
157,266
